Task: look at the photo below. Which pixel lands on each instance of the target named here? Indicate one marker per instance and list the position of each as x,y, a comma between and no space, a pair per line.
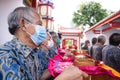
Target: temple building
107,26
70,36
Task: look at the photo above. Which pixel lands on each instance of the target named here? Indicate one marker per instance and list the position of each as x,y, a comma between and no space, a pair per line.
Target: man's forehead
37,20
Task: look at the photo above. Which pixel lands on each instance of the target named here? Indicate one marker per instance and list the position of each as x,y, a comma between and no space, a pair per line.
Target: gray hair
101,39
53,34
15,16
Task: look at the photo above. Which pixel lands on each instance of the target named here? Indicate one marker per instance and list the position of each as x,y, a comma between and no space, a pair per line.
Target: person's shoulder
106,47
5,48
99,46
95,46
116,49
113,50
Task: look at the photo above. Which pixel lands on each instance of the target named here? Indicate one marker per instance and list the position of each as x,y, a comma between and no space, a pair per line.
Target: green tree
89,14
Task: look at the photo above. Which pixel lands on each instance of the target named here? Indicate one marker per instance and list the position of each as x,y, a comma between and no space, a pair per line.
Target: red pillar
34,2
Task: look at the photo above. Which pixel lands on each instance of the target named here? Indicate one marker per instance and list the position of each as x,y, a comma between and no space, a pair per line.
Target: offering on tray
82,60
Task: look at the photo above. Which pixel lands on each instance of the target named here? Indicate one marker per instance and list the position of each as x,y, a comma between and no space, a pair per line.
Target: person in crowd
111,53
94,41
45,49
97,48
46,45
81,44
20,58
86,44
49,48
55,38
85,47
60,37
56,41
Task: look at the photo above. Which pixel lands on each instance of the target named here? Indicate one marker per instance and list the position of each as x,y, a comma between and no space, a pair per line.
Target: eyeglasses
39,23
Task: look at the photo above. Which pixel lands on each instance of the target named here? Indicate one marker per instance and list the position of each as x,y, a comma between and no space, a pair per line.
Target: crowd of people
26,56
109,54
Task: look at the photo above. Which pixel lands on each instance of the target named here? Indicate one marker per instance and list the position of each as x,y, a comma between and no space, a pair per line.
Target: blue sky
64,9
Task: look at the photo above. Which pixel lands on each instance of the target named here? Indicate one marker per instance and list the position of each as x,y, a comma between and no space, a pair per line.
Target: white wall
108,34
90,35
6,6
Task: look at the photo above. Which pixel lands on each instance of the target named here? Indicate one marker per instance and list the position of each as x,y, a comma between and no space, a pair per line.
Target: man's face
48,37
55,38
28,25
30,29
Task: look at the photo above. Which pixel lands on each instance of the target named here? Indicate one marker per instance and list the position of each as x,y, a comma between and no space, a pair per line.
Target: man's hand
72,73
46,75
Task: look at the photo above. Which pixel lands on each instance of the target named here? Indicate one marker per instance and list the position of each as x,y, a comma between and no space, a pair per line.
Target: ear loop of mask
28,23
26,32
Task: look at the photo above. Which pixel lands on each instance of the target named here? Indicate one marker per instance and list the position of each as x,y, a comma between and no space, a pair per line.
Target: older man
20,58
97,48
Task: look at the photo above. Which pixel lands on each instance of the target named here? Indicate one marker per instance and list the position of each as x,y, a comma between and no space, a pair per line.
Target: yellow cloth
114,72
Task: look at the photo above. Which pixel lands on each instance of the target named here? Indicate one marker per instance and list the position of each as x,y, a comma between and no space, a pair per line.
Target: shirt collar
24,49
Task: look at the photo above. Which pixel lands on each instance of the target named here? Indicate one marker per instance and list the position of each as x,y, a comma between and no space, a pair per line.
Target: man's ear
22,24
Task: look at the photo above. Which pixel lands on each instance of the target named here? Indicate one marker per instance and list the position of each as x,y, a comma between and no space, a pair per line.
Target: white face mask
50,43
